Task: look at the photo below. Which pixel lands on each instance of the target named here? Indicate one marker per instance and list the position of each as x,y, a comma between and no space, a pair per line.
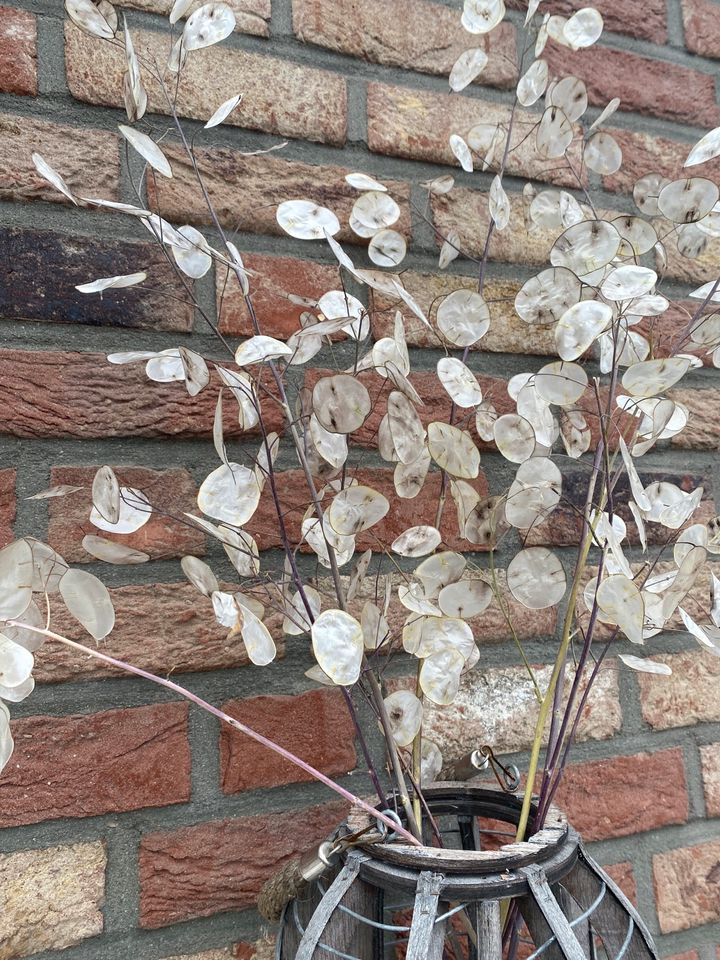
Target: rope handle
294,878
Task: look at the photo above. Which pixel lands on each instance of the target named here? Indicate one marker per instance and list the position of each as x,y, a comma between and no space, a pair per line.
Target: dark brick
43,268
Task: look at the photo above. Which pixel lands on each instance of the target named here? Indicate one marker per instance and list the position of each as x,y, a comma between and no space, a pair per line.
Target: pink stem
258,737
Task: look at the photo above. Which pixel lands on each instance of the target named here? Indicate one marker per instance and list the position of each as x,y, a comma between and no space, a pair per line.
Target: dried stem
221,715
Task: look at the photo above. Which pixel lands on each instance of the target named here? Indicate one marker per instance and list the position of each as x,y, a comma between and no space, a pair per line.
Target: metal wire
628,938
323,946
573,923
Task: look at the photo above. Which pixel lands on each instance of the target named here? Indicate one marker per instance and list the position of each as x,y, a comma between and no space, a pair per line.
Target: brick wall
133,827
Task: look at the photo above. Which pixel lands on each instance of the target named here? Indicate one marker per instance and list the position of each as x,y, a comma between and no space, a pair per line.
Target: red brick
276,277
87,159
702,32
294,500
646,21
185,636
223,953
279,97
687,697
212,867
316,726
421,36
262,949
82,766
489,627
404,122
625,795
645,153
710,759
703,428
623,875
8,504
171,492
81,395
657,88
251,16
46,267
687,886
51,898
436,404
689,955
18,51
245,191
666,331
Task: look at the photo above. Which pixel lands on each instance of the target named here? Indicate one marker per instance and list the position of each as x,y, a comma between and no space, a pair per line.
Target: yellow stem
417,751
550,692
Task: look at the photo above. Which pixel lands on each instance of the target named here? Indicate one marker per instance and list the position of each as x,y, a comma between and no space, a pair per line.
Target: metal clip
383,829
508,777
315,862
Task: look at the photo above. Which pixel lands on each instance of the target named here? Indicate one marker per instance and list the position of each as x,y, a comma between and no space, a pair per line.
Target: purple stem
203,704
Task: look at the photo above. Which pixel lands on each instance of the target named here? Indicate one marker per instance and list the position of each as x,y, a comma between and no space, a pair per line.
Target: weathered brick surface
222,954
87,159
316,726
696,604
702,34
644,152
278,97
647,21
687,886
275,278
691,271
421,36
667,331
657,88
466,212
51,898
251,16
160,627
436,403
507,333
689,696
405,122
82,766
293,495
45,267
489,627
245,191
80,395
262,949
710,759
482,704
171,492
564,526
8,504
625,795
221,865
624,876
18,51
702,431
